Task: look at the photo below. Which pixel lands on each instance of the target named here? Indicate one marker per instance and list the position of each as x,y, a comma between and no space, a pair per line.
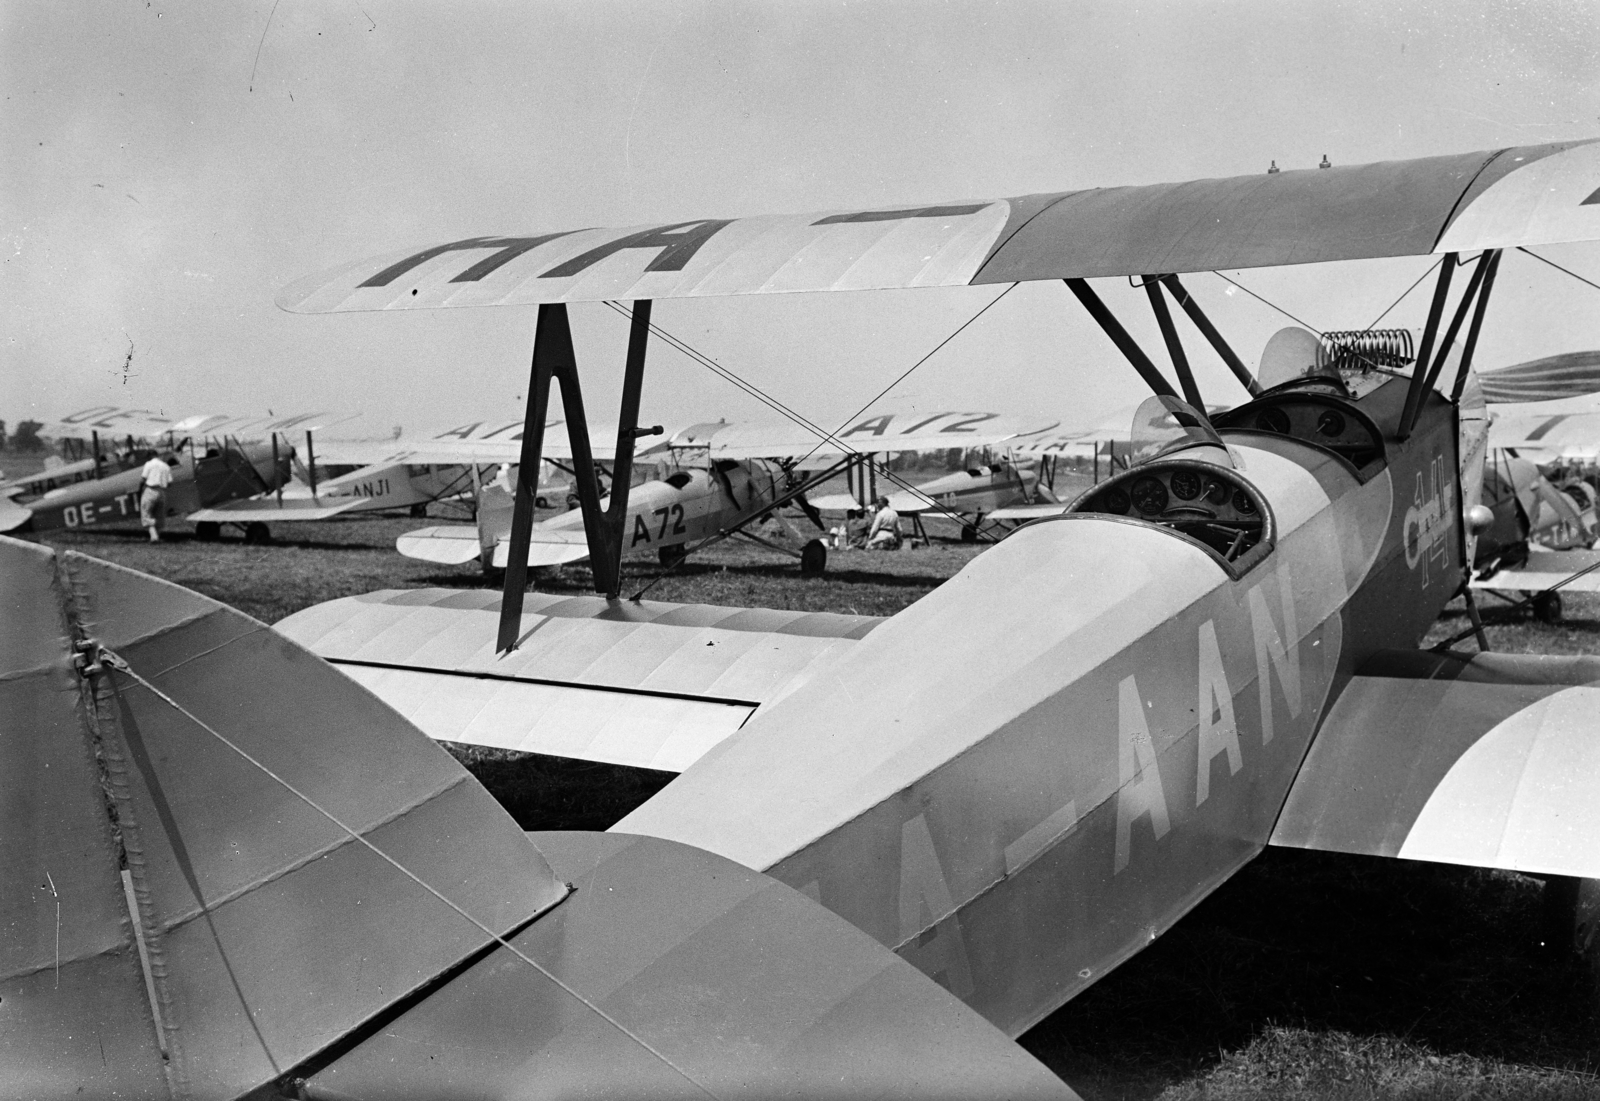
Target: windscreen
1166,424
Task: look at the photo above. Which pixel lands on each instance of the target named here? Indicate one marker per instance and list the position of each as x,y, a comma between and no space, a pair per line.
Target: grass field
1308,975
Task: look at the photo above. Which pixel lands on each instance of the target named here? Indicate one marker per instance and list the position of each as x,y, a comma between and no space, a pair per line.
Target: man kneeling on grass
885,533
153,482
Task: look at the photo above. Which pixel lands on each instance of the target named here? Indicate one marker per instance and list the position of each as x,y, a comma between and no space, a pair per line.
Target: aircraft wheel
256,532
671,556
572,501
419,512
208,531
969,533
1547,607
814,559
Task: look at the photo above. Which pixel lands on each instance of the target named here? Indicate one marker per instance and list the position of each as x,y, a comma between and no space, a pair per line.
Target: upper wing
871,432
484,441
116,422
1491,761
1520,196
1569,427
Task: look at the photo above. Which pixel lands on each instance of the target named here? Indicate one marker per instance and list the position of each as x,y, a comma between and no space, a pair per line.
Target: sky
170,166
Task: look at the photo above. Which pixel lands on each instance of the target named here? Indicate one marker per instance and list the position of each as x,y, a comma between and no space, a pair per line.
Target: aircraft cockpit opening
1306,411
1201,500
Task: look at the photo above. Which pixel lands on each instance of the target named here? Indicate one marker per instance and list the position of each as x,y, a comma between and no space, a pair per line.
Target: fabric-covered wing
1546,569
1492,761
871,432
1030,512
1569,375
267,510
1566,427
640,683
116,422
1521,196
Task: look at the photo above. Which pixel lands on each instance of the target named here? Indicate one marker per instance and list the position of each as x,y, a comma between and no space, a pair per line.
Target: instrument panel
1196,499
1325,423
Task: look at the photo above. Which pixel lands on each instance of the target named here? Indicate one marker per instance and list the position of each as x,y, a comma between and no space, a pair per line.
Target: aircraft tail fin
218,854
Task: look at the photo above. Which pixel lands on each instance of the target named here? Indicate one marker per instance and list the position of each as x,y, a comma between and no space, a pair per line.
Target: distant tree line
25,439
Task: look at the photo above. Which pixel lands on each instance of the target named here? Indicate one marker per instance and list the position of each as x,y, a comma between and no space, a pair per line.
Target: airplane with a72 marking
271,881
723,477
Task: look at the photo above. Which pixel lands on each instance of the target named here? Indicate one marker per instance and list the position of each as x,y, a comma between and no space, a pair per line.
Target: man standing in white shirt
153,482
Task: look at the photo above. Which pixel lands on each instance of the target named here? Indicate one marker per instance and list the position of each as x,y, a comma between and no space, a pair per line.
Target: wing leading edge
1519,196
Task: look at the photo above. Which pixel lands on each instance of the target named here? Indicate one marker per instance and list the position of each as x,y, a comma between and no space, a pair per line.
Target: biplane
221,459
719,480
229,867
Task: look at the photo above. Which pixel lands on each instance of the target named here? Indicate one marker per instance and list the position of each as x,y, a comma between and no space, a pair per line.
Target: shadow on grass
1443,957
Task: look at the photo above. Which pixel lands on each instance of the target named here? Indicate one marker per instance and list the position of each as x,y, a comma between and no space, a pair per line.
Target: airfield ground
1308,975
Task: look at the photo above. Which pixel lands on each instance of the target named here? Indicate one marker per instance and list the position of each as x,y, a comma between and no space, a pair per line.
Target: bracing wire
117,662
800,419
1558,267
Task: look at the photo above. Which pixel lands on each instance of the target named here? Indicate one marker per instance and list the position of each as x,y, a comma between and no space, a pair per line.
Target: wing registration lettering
960,210
677,243
506,250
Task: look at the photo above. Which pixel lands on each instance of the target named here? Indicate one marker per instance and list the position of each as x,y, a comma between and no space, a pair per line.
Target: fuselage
1132,724
236,470
972,492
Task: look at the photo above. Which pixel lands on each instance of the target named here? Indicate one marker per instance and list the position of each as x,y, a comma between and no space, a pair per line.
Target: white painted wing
1546,569
872,432
115,422
450,544
645,684
267,510
1494,198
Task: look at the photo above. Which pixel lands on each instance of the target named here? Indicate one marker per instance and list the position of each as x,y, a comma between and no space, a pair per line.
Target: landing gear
969,533
671,556
814,559
256,532
1547,607
208,531
419,511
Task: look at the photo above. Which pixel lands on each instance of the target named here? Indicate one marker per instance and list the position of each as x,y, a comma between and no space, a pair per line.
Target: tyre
256,532
419,512
208,531
813,559
671,556
969,533
1547,607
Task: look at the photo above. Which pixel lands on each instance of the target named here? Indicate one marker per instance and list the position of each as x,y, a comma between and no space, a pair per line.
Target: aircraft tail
217,855
227,866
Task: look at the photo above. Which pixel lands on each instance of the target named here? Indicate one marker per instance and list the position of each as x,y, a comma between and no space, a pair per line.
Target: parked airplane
270,879
723,477
220,459
967,495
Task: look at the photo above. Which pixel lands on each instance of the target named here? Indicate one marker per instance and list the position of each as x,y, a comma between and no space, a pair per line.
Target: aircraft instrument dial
1216,492
1331,423
1149,496
1186,485
1242,502
1115,500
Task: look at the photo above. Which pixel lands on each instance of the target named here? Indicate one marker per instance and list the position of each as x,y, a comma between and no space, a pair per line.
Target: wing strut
1455,322
1209,331
1477,324
1169,333
1430,334
552,326
554,358
1119,336
627,432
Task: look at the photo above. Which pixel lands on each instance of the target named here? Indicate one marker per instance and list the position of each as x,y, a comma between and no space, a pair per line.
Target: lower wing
1545,570
1492,761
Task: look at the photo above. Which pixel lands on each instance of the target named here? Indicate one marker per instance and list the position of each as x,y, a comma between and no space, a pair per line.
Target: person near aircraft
153,482
885,533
